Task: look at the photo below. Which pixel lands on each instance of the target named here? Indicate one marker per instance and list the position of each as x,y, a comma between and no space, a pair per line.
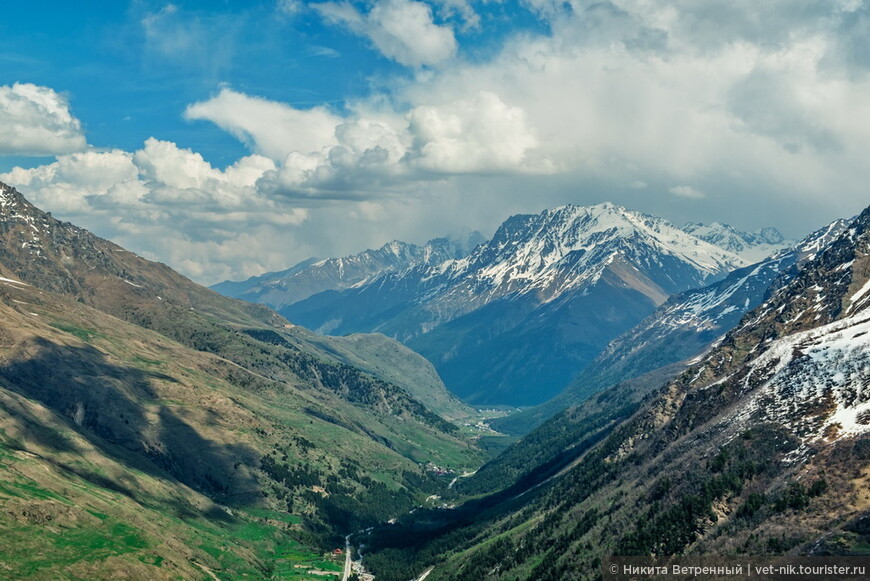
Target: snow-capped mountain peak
312,276
581,241
754,246
572,277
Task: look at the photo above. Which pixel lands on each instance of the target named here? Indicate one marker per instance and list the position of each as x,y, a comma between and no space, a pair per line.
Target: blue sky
230,138
130,69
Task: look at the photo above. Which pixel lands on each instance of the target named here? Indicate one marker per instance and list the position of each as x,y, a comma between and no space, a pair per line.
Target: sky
230,138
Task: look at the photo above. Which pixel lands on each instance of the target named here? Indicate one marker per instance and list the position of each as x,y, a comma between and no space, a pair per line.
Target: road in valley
346,574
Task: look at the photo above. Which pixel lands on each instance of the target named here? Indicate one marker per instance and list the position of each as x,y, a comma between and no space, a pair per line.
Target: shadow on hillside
106,404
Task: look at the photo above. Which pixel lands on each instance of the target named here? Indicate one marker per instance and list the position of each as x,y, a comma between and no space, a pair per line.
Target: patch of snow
9,280
816,382
861,292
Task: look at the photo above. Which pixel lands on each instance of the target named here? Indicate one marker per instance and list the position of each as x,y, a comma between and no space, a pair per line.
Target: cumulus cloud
37,121
167,203
273,129
477,134
321,155
687,192
650,104
402,30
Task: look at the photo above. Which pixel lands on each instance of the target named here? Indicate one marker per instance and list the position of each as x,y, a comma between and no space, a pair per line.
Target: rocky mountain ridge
753,246
527,309
313,276
762,446
681,328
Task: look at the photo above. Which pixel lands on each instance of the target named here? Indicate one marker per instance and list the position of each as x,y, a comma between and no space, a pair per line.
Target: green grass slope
193,460
391,361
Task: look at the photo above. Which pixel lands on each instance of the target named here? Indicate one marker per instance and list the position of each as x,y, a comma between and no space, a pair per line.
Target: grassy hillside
246,455
393,362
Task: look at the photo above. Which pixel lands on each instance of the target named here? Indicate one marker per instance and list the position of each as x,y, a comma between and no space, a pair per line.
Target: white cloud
375,149
272,129
741,104
37,121
402,30
477,134
673,93
289,7
687,192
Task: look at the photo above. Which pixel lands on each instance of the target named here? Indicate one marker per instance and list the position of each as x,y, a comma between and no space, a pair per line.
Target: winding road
346,574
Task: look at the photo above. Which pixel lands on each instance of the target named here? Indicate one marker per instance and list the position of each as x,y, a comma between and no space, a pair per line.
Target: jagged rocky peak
26,228
820,293
571,223
12,203
754,246
819,240
395,247
770,235
580,237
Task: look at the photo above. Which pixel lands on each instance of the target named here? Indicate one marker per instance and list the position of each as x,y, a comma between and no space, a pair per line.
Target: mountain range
760,447
683,327
313,276
151,428
517,317
753,246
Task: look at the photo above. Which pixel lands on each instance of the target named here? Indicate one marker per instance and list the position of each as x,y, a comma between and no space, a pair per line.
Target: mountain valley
152,428
516,319
758,448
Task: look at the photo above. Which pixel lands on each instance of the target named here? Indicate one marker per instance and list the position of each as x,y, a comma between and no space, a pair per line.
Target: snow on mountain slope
752,246
526,310
312,276
683,327
546,256
816,381
744,289
29,228
563,248
801,358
